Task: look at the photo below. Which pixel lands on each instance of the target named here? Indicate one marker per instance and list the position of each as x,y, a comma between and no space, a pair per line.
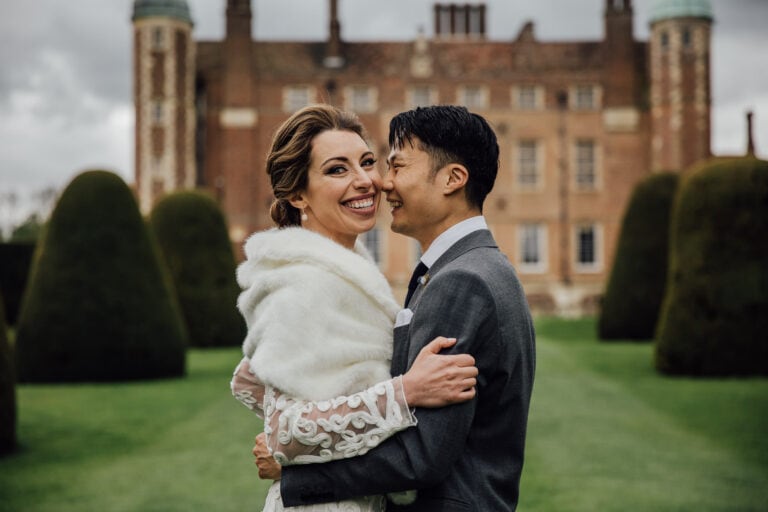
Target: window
296,97
532,243
473,97
421,96
372,241
158,39
664,40
585,165
585,97
528,164
361,99
586,245
157,112
686,37
587,248
527,97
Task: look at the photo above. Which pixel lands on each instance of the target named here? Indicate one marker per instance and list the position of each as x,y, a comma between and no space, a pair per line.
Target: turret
163,71
680,96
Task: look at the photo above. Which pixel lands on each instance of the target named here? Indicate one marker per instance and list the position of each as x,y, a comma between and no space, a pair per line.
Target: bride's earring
304,215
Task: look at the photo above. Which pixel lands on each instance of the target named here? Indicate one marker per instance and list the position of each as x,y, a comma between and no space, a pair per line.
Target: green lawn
166,445
606,433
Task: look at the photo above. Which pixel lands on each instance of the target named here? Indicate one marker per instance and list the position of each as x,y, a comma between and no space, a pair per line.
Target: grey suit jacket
461,457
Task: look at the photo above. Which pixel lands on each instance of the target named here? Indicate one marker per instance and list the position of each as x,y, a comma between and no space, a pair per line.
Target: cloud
65,79
92,40
729,125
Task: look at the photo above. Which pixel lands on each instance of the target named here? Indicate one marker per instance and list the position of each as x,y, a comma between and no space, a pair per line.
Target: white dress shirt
450,236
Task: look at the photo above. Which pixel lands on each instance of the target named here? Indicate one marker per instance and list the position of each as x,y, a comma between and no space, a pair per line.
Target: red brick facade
579,123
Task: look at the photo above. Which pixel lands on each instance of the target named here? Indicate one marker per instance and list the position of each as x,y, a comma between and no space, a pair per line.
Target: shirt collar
450,236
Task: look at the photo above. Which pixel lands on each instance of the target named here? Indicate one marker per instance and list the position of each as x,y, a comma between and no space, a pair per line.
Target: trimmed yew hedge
714,319
635,289
7,390
193,238
99,304
15,262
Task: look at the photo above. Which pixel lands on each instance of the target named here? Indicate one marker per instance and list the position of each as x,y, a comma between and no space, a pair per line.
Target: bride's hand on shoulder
436,380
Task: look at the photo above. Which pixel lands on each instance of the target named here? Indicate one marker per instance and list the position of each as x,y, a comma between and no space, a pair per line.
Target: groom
443,163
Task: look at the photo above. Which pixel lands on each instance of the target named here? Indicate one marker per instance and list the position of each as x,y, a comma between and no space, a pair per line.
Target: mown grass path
606,433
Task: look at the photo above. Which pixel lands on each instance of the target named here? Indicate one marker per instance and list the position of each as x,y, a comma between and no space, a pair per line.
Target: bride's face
343,187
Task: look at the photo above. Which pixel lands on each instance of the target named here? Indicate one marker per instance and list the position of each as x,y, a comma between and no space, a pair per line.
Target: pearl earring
303,216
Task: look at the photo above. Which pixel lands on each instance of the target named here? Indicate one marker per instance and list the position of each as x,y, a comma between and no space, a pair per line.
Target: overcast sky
65,69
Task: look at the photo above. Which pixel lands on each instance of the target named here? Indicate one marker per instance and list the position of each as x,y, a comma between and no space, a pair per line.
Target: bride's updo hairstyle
289,157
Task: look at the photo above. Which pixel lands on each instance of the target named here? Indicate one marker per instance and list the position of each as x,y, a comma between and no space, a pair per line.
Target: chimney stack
460,21
750,140
333,58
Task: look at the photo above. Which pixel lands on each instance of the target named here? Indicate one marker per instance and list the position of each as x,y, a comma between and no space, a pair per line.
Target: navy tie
419,271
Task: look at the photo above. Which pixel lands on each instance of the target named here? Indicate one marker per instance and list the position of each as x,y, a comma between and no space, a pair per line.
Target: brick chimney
750,140
622,80
333,57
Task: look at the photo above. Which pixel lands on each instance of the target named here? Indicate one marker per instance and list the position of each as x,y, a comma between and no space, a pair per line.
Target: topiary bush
28,231
635,288
99,304
15,261
714,319
7,390
193,238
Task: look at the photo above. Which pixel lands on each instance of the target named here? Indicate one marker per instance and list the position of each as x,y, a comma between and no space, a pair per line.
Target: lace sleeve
303,432
247,388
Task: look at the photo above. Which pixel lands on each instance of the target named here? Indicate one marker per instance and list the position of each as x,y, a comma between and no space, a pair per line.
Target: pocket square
403,317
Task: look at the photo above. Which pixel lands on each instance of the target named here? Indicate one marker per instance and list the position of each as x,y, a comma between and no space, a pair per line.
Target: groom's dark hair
451,134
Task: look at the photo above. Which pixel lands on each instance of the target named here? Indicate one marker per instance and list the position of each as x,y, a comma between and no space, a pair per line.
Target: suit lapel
480,238
402,340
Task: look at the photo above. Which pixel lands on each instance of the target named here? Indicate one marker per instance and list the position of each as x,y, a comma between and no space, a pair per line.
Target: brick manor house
579,123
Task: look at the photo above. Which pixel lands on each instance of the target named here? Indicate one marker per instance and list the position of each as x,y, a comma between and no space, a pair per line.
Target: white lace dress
320,323
301,432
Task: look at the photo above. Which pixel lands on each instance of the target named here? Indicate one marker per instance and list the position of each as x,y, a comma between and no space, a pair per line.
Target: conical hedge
635,289
714,320
15,261
99,305
7,390
192,235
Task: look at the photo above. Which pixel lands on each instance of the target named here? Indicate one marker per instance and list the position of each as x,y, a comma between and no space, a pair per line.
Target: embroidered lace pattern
301,432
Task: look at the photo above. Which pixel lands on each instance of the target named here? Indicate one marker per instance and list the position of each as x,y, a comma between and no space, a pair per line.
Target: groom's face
417,204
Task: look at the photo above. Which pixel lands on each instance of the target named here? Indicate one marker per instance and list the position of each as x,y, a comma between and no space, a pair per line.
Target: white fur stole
319,316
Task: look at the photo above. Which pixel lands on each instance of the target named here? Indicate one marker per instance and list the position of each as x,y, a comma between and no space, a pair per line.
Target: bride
320,314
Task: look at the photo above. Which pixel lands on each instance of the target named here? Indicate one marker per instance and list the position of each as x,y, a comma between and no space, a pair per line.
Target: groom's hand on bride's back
269,468
436,380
